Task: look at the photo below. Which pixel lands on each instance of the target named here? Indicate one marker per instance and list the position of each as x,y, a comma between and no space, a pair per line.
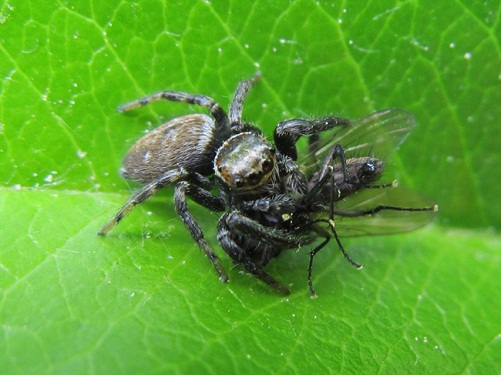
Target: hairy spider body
167,147
273,197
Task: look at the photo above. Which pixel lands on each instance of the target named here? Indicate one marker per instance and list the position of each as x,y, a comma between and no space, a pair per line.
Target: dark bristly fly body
273,197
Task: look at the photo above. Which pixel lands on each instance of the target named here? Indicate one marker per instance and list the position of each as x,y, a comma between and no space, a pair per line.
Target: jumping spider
270,203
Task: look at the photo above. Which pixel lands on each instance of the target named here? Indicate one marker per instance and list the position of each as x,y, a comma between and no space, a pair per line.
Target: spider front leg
275,209
253,245
288,132
147,191
205,198
278,238
234,246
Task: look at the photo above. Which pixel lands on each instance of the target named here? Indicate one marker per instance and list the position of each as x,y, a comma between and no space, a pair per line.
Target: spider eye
267,165
254,178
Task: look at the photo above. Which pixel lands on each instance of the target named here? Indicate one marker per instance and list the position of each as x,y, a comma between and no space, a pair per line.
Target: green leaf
144,299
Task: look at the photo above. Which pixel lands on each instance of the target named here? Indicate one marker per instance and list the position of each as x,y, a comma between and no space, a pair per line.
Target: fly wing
378,134
371,211
355,216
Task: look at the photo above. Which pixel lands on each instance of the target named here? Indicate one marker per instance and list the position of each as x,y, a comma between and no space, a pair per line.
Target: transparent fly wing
401,210
378,134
